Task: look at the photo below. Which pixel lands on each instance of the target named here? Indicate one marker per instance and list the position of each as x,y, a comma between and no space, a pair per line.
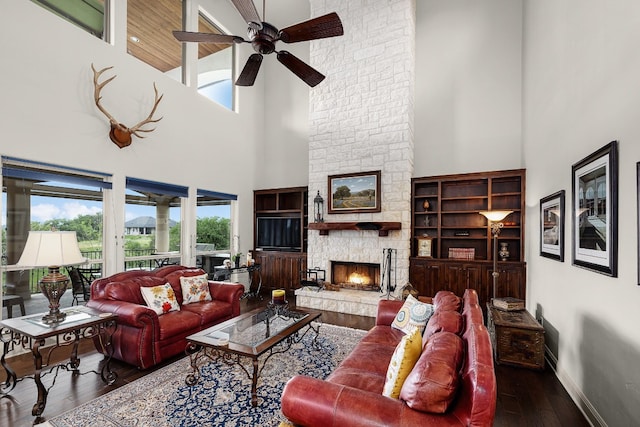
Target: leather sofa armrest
387,310
227,292
312,402
135,315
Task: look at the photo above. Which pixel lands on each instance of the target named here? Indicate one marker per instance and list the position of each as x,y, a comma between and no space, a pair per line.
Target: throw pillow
432,384
160,299
195,289
413,314
404,358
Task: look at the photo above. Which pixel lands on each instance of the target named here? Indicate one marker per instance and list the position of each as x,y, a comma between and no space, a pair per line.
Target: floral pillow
160,299
195,289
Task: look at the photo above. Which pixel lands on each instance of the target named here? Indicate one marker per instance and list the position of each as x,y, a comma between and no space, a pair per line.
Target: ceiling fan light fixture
263,37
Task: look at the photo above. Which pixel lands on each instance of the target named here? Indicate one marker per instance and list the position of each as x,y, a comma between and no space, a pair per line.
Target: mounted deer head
121,134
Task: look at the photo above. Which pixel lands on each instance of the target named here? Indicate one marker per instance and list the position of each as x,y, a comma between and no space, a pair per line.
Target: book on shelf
508,304
462,253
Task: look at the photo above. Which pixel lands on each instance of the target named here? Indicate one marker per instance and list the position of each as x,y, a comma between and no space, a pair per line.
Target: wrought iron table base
12,339
197,352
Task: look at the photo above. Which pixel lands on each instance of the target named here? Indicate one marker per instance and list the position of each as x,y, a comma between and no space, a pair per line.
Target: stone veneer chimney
361,119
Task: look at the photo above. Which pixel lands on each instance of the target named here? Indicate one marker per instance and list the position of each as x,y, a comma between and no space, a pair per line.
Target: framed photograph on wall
595,211
354,192
425,247
552,226
638,213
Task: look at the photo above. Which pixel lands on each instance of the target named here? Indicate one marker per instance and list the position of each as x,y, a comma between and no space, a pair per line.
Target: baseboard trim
581,401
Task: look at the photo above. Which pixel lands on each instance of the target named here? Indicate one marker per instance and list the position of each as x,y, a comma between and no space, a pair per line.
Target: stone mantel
382,228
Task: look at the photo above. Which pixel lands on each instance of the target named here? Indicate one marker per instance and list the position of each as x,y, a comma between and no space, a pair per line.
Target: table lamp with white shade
495,217
52,249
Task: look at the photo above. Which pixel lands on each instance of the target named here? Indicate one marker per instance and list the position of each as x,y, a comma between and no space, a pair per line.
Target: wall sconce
318,208
52,249
495,218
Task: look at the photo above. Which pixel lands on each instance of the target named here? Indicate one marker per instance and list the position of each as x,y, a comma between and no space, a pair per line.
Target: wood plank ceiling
151,24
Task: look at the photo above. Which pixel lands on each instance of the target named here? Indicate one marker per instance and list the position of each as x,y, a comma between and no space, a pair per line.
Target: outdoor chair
81,279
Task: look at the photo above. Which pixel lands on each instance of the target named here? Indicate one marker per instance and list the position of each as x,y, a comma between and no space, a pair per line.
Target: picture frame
638,214
594,187
552,218
425,247
354,192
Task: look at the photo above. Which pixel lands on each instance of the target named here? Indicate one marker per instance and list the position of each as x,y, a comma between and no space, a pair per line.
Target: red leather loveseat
143,338
352,394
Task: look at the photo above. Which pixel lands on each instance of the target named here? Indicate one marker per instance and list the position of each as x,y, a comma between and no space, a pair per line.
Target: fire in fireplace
356,275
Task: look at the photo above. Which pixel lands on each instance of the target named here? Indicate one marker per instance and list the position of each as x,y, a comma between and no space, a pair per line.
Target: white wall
282,153
468,86
581,87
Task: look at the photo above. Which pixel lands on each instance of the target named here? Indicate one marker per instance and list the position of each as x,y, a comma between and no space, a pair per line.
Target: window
215,66
40,196
152,223
213,228
86,14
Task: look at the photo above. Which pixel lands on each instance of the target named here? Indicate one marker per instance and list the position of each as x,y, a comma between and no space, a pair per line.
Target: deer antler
121,134
96,91
135,129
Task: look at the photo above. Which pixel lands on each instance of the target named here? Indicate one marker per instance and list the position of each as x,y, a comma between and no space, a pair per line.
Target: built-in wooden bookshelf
445,209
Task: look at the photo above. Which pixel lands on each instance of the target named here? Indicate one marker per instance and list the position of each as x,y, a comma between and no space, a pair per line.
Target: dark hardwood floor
525,397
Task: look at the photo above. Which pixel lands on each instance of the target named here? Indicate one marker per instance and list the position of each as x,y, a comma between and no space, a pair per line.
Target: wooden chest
517,338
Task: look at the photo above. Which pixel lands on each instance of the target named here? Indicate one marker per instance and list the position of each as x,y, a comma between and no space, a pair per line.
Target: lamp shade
495,215
51,248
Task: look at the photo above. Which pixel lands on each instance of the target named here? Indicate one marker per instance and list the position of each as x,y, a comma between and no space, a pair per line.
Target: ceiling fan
263,37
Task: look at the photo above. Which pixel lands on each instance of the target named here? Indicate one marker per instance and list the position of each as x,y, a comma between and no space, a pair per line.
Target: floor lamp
495,218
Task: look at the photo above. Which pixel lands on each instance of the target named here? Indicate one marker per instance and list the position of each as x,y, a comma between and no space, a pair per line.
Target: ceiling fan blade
250,70
186,36
248,11
309,75
317,28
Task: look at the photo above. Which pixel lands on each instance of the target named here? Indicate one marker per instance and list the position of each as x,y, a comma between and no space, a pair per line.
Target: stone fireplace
361,120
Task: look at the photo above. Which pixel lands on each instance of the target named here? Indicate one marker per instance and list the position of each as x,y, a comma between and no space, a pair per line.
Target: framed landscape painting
354,192
552,226
595,211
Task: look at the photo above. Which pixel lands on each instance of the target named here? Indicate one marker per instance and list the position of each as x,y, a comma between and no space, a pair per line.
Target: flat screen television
278,234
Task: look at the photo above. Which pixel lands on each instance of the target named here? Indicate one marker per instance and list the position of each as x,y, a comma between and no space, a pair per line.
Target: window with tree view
43,197
213,227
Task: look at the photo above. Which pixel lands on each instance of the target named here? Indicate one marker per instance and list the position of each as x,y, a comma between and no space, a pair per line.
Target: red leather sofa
352,394
143,338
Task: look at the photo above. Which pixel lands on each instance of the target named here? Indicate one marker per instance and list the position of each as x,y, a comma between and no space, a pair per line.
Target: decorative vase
504,251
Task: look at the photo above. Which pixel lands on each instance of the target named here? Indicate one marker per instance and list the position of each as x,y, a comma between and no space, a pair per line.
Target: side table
222,273
30,333
517,338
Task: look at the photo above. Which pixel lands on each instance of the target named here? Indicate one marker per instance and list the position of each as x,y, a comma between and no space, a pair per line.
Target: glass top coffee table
271,330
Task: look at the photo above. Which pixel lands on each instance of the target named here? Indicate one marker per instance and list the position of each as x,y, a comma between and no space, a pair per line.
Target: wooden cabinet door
425,276
281,270
454,278
510,283
460,276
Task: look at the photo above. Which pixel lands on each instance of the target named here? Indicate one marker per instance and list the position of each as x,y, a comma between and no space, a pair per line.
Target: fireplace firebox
356,275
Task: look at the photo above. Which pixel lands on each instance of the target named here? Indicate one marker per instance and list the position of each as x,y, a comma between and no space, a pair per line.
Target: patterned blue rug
222,396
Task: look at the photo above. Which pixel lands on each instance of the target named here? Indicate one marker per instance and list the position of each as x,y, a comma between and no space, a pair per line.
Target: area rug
222,396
